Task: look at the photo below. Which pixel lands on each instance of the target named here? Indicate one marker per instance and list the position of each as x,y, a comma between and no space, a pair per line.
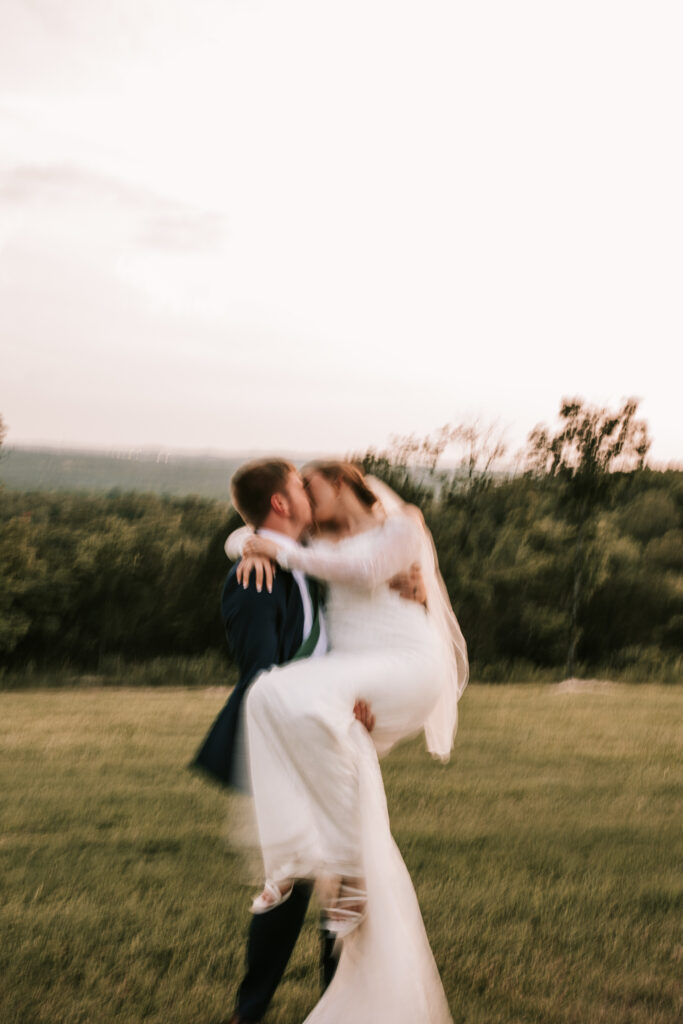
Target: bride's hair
337,471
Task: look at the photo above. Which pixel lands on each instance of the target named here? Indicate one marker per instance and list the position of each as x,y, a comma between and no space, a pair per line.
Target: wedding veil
442,723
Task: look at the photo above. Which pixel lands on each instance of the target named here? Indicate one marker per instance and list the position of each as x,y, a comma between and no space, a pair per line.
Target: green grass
204,670
545,855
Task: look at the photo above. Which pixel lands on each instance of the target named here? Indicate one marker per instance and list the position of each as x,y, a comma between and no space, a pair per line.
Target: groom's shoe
236,1019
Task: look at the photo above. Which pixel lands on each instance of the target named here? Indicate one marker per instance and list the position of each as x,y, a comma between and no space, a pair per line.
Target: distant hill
59,469
169,473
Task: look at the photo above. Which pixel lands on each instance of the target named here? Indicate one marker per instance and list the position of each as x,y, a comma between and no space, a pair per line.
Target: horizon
150,452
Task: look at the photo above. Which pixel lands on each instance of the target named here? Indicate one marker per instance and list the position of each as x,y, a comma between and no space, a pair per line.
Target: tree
479,450
409,463
590,444
20,567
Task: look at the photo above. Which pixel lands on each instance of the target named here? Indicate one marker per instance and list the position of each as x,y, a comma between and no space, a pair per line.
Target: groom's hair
255,483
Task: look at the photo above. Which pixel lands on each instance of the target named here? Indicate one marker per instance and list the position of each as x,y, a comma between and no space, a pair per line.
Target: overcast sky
310,224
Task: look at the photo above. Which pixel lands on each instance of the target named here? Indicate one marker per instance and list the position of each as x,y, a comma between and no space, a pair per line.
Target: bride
318,794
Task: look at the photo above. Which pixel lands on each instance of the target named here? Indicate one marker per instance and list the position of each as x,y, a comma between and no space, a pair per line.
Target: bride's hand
262,568
262,547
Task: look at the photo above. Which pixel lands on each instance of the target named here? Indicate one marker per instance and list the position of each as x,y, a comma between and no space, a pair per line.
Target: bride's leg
300,726
303,748
287,828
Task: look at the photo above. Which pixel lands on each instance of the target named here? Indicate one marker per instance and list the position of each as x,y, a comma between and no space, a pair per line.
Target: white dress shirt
283,541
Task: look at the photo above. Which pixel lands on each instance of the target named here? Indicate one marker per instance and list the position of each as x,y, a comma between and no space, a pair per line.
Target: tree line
573,565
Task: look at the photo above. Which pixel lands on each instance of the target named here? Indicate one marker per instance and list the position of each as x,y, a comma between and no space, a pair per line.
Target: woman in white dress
318,793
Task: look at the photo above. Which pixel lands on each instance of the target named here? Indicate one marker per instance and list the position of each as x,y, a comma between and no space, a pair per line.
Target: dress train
386,973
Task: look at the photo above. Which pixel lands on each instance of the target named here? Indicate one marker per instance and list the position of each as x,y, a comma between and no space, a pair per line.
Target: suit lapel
293,625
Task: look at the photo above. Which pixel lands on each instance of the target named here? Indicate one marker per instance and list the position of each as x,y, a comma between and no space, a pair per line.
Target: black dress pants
272,937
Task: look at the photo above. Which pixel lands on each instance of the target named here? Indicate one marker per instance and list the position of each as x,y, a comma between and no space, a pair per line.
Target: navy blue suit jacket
263,630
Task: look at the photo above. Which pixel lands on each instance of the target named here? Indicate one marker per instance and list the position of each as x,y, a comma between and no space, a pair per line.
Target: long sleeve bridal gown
319,798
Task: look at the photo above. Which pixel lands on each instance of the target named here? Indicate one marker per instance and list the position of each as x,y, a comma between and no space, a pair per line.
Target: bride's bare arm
388,551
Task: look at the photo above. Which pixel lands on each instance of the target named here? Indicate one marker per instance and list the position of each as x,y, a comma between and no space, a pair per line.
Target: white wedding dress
318,792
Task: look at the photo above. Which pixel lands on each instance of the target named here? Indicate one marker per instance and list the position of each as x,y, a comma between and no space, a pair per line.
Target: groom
267,627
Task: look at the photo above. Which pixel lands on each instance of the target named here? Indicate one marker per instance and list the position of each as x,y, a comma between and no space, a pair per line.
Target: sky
308,225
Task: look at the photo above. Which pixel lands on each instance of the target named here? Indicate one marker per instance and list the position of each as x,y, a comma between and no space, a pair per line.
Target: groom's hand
410,585
361,711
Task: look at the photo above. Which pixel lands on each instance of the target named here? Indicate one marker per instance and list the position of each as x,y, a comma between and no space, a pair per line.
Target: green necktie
309,644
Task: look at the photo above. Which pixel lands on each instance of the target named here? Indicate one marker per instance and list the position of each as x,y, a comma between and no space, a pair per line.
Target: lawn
546,856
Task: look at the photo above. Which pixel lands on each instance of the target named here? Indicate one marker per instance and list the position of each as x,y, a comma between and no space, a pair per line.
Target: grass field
546,857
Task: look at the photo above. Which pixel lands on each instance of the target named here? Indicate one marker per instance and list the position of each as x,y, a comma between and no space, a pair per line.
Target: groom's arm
410,585
252,623
363,712
251,620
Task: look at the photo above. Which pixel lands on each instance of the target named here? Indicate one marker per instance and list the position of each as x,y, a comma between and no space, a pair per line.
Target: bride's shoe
274,895
349,908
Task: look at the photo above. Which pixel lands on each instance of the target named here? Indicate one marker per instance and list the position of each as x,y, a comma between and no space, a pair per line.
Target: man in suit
266,627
